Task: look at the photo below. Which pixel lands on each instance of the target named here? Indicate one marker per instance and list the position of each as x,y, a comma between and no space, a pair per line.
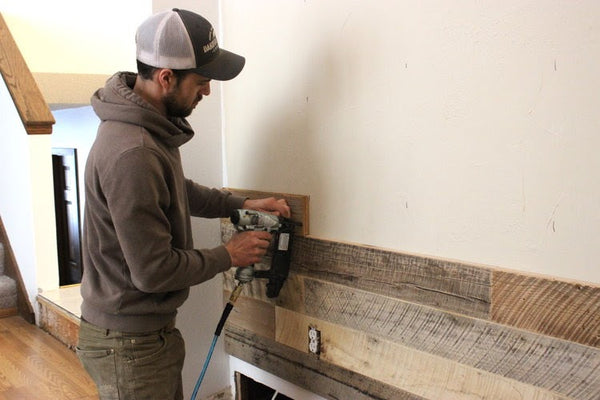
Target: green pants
133,366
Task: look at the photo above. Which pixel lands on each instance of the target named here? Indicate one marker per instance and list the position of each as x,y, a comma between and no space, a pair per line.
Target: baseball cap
183,40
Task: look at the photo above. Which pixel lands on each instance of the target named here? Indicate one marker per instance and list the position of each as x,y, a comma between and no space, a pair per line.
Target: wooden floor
36,366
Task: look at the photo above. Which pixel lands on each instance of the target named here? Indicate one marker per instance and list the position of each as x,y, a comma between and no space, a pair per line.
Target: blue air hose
226,312
201,377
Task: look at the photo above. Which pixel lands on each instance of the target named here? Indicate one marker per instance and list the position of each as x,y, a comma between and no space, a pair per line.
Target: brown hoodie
138,254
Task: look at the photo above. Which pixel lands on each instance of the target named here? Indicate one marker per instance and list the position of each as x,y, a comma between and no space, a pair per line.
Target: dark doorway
249,389
66,203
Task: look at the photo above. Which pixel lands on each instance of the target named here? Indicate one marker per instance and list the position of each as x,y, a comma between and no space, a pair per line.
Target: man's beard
174,108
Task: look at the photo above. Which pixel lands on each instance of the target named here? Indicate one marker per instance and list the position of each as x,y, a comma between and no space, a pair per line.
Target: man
139,260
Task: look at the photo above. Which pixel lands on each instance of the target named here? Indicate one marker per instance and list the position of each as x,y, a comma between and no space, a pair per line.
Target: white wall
71,36
27,209
461,130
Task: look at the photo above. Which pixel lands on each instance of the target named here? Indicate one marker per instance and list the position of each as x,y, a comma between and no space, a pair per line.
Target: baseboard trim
8,312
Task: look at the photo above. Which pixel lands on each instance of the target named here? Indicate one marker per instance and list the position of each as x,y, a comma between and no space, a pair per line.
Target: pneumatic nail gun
283,231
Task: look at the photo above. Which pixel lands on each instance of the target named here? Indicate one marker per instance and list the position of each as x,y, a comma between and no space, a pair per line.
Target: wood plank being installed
298,205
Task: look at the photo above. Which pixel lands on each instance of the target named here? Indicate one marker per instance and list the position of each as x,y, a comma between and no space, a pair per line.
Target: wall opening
248,389
66,203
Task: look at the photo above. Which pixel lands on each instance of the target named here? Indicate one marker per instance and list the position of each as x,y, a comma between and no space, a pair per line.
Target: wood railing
28,99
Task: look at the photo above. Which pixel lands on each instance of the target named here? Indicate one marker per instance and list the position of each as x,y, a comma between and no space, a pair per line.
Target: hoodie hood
116,101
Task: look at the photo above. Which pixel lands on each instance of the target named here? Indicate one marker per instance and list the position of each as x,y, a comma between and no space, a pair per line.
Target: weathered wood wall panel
255,315
438,283
495,348
418,327
562,309
418,372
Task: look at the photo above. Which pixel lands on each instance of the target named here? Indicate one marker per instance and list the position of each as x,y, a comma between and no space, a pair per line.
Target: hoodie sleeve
211,203
159,255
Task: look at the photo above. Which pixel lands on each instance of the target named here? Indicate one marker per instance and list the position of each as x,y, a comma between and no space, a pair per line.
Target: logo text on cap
212,42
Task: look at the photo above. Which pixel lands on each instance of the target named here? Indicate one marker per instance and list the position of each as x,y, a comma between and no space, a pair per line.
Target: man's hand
247,248
270,205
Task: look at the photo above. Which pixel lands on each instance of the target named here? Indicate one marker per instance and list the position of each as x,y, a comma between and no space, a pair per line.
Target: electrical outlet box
314,340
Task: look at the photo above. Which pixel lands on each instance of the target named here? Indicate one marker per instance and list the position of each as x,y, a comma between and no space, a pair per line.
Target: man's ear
165,78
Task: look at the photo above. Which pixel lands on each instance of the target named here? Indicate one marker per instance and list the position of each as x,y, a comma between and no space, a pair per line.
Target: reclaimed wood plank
254,315
407,369
566,310
547,362
437,283
306,371
298,205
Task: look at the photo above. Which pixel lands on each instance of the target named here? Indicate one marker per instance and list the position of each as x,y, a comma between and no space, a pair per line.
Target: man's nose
205,90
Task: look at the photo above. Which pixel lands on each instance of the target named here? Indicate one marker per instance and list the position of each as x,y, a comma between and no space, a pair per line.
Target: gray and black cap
183,40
